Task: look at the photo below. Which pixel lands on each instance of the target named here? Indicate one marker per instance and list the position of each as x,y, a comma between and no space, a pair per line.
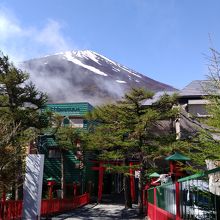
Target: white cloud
51,36
21,42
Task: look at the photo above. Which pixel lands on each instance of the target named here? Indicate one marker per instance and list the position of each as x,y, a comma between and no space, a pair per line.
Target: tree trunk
62,176
18,172
2,206
127,191
16,191
140,193
18,184
140,187
127,188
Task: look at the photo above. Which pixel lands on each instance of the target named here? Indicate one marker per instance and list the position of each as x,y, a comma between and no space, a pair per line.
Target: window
77,122
66,122
54,153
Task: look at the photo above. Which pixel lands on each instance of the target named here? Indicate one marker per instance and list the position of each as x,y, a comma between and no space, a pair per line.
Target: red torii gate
101,168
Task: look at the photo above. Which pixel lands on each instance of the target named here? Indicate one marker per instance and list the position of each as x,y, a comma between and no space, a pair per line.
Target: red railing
155,213
13,209
188,198
53,206
10,210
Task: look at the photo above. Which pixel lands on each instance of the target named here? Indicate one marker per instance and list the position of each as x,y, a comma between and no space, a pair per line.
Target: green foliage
20,117
206,143
19,98
128,129
213,88
66,137
209,139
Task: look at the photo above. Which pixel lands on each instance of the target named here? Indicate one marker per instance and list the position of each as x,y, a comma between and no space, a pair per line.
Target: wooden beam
132,184
100,186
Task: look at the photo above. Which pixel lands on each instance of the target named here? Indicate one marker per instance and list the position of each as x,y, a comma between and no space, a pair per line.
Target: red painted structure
101,168
132,183
50,183
10,210
177,162
156,213
54,206
177,201
13,209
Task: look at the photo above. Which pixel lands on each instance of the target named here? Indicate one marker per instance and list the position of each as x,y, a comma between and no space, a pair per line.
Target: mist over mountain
85,76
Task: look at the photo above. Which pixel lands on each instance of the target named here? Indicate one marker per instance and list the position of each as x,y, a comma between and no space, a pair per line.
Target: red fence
157,213
10,210
13,209
189,198
49,207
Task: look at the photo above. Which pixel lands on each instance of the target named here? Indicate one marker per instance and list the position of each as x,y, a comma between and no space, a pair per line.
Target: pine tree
207,144
20,104
209,140
203,145
126,130
66,138
7,156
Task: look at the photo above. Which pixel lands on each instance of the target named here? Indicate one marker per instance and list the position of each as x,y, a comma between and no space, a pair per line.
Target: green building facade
75,170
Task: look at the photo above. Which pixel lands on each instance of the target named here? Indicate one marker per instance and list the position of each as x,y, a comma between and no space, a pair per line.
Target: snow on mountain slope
86,76
69,56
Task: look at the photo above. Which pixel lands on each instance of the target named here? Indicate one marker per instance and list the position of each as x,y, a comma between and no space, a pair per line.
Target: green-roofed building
154,175
177,162
177,157
73,113
74,171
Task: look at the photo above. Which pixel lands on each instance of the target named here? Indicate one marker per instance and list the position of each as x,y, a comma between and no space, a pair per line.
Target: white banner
32,188
137,174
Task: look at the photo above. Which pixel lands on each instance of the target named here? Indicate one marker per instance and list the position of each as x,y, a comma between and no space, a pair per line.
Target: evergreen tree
203,146
207,142
7,156
66,138
127,130
20,104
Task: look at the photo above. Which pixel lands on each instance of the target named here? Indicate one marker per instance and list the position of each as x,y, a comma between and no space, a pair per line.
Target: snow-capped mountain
86,76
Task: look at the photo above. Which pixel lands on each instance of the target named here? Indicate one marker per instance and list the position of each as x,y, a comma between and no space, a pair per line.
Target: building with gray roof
193,97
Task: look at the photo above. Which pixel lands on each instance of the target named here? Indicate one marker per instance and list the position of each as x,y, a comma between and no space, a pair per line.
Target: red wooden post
101,174
176,162
177,201
50,192
2,206
3,197
155,204
100,183
132,185
51,182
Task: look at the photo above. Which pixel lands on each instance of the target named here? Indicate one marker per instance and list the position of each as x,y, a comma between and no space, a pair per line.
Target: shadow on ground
110,208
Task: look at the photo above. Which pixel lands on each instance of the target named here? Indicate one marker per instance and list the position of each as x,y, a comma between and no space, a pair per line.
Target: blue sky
163,39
